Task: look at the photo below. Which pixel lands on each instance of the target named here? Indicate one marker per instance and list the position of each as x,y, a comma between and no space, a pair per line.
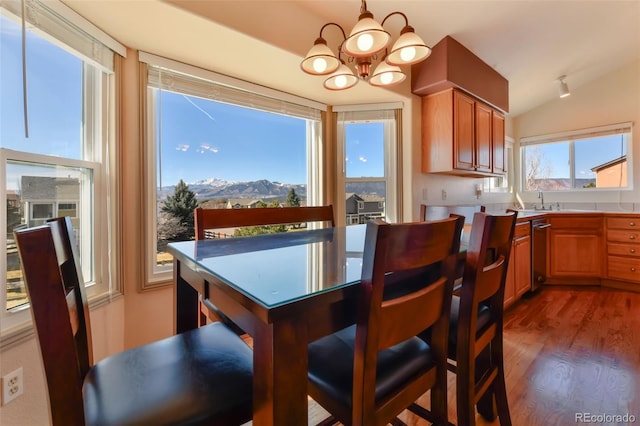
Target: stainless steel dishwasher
540,229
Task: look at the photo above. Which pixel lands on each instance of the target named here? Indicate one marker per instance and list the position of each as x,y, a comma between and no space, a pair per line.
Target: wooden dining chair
476,323
368,373
208,220
204,376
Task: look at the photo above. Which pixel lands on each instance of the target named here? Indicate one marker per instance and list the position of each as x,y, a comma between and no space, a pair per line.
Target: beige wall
32,408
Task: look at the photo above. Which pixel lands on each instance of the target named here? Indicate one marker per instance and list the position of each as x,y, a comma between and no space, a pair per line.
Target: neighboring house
47,197
360,208
611,173
243,203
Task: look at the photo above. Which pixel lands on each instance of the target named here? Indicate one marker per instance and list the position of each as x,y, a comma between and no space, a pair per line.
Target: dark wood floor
568,350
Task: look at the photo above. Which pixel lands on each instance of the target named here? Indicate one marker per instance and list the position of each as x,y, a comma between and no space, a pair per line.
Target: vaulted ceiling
529,42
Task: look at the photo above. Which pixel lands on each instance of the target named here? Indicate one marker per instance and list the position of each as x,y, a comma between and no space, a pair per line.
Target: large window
585,160
54,144
221,146
367,140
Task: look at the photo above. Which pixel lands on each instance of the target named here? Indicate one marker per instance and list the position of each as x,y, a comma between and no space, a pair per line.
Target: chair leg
486,407
502,403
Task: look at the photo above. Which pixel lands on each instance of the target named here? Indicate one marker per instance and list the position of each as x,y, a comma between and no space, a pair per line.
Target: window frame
243,94
386,114
573,137
94,225
60,25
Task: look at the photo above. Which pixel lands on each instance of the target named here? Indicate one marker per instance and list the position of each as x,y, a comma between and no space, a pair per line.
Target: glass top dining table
285,290
282,268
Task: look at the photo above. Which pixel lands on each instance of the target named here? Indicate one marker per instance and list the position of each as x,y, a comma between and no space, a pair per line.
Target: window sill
24,331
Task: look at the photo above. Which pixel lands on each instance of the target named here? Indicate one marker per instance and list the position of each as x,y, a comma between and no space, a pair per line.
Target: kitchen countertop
524,215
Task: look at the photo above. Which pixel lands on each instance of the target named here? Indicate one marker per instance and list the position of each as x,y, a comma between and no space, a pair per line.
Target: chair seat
331,364
484,317
174,381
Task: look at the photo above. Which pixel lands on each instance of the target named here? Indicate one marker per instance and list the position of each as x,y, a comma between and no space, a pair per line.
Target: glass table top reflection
277,269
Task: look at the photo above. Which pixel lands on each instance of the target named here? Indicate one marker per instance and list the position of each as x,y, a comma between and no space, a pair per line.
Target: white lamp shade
320,60
408,49
367,37
342,79
386,75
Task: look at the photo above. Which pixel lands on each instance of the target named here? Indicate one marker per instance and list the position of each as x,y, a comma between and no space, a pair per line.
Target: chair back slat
393,331
50,302
205,219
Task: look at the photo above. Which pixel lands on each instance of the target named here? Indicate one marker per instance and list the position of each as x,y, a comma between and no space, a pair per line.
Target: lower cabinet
576,249
623,249
519,269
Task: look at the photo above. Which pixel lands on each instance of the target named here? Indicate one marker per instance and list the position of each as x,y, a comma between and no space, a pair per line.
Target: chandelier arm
406,20
344,35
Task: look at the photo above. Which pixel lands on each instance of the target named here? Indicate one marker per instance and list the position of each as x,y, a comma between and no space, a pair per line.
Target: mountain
217,188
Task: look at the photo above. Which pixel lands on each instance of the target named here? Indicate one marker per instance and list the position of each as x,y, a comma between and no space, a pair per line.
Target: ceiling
530,43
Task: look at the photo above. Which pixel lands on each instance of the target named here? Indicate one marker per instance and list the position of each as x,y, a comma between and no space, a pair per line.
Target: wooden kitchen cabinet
519,269
498,141
576,249
623,248
461,135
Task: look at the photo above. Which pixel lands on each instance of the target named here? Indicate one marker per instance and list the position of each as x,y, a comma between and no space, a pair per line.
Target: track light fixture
564,89
367,40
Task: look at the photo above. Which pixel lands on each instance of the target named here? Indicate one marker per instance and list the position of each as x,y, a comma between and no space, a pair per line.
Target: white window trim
21,314
62,26
591,132
392,196
270,100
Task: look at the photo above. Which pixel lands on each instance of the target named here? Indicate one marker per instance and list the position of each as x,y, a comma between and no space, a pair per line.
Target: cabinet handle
632,250
633,269
632,224
632,236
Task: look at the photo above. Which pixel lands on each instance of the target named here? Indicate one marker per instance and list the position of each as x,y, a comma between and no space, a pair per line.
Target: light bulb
365,41
341,81
408,53
319,64
386,78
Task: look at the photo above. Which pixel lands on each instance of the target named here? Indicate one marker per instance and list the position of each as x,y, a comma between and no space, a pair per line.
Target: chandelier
367,40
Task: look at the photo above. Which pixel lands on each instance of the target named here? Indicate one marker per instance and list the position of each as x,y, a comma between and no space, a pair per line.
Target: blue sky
204,139
54,101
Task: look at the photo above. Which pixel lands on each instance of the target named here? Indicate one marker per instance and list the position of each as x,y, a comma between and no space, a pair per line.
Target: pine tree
292,199
181,205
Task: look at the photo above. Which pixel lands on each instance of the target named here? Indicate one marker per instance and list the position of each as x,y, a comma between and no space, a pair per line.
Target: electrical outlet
12,386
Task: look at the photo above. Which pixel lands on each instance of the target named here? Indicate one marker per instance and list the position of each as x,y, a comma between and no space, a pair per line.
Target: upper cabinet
463,107
461,135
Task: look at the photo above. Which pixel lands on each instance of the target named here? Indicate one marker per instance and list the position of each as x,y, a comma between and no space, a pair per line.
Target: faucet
541,196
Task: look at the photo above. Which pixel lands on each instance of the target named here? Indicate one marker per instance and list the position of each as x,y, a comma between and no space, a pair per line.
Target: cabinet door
576,249
522,250
575,255
510,284
483,146
463,131
497,139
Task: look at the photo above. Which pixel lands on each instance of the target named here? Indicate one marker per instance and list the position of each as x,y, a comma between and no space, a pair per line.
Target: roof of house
40,188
